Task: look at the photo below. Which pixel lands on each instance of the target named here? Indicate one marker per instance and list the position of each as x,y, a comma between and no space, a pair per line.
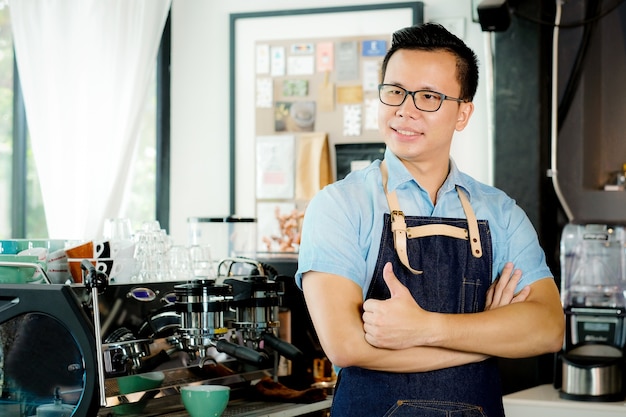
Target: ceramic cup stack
58,267
119,233
112,255
98,253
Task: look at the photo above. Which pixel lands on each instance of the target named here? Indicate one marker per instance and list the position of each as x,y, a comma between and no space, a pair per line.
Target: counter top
260,409
544,401
245,408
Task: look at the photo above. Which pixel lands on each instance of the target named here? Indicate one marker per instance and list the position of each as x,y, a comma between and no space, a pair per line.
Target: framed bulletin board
326,84
248,29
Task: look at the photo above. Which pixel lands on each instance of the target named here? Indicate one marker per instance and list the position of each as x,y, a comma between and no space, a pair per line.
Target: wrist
436,331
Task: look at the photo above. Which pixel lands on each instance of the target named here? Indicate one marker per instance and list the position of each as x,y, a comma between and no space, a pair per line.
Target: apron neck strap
398,224
399,228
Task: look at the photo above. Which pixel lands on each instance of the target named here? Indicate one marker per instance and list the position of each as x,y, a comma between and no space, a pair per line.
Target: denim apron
449,272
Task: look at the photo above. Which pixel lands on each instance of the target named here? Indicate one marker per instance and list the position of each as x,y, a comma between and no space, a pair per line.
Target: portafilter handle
241,352
284,348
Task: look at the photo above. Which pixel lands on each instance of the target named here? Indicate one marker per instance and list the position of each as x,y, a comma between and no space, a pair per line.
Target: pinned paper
300,65
295,88
298,116
302,49
352,120
326,95
350,94
275,167
277,60
370,121
374,48
325,61
264,92
263,59
347,61
371,75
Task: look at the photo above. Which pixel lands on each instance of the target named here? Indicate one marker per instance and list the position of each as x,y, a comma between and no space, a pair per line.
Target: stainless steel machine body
136,345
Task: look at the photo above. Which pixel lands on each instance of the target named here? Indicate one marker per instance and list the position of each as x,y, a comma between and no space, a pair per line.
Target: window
6,119
21,206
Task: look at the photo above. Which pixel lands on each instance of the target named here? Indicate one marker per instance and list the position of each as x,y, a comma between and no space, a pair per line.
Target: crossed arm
397,335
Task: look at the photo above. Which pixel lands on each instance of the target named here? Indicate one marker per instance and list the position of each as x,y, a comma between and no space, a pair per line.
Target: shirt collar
398,175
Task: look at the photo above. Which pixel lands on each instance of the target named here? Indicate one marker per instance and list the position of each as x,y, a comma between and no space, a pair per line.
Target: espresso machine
127,349
593,293
257,294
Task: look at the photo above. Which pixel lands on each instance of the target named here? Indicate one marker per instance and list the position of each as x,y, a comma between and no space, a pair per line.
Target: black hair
434,37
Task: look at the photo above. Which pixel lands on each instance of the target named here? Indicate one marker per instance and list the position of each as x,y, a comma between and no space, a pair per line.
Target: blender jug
592,259
227,237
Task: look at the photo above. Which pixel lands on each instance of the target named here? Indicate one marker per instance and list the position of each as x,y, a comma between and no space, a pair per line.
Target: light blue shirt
343,223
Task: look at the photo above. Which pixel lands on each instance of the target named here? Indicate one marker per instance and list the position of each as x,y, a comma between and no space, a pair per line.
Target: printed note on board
325,61
275,166
263,59
352,120
264,92
374,48
347,61
277,60
371,71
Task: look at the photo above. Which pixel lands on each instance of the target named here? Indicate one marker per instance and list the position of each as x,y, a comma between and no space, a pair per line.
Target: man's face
414,135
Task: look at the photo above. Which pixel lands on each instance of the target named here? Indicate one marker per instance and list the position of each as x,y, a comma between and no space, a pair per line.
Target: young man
407,266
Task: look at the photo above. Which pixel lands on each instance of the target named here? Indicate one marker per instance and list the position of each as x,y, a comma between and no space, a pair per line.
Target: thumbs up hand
395,323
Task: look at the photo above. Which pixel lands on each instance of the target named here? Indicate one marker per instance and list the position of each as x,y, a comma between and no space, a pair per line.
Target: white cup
102,249
59,273
40,253
57,257
124,270
122,249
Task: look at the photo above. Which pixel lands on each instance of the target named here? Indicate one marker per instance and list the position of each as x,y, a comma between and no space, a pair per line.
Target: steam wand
96,281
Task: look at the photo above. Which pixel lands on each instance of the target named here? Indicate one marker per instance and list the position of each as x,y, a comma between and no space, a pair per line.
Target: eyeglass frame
407,93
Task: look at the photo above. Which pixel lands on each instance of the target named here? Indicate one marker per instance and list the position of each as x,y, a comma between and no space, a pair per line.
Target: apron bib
449,272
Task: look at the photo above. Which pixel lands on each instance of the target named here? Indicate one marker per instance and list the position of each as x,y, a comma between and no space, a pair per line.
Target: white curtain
85,68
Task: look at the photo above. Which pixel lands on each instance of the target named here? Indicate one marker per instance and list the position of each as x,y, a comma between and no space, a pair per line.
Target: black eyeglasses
424,100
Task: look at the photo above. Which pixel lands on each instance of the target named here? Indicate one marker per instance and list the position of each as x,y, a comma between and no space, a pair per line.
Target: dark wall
591,122
522,77
591,134
522,87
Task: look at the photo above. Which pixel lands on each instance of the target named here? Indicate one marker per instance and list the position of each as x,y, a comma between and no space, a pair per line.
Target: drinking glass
201,261
117,229
179,263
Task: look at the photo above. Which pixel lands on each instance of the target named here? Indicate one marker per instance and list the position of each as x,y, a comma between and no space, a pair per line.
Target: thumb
396,288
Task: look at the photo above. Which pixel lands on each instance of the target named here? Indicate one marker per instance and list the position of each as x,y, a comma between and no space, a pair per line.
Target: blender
593,296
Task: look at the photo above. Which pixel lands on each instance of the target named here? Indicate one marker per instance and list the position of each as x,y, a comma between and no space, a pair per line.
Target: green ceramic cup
133,384
20,274
205,400
140,382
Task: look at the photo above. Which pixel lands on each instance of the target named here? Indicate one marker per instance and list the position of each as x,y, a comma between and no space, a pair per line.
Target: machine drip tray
245,408
167,402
